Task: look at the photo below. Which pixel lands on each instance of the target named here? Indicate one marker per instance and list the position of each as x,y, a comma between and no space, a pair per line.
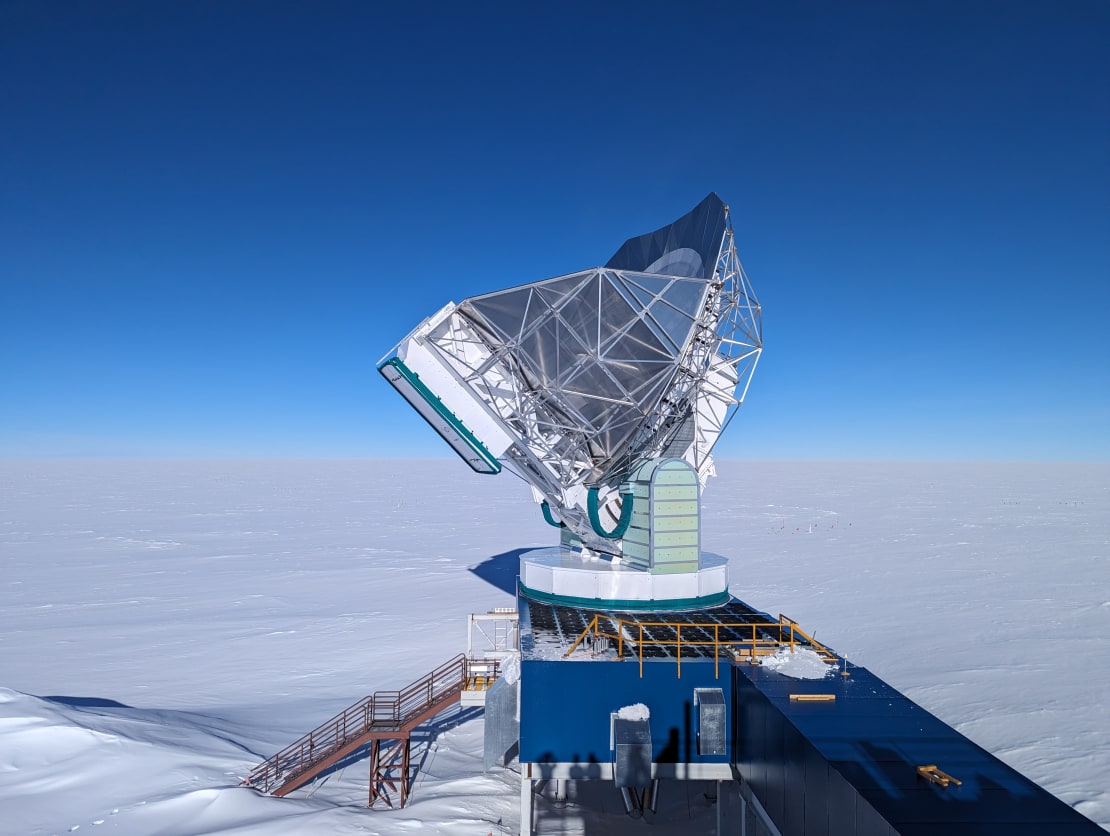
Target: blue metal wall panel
565,707
815,797
794,761
840,802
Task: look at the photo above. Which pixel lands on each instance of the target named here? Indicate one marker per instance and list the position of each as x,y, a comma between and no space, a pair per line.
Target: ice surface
178,622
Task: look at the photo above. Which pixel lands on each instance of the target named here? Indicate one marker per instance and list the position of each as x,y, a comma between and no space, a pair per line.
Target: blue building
841,755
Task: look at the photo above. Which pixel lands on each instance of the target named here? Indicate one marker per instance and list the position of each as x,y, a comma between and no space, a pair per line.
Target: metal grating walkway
565,624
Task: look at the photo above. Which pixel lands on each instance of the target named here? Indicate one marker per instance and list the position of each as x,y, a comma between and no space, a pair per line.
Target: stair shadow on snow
501,570
421,739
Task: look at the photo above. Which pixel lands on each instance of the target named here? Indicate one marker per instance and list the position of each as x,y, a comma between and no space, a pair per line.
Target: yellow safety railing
742,639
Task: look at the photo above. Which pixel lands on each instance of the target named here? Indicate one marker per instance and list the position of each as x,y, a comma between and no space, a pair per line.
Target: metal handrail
790,634
382,711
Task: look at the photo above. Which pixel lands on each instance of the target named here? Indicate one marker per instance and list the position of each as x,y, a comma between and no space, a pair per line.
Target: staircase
386,717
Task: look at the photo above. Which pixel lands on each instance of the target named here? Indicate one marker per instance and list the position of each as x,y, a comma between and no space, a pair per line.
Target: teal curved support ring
595,520
547,516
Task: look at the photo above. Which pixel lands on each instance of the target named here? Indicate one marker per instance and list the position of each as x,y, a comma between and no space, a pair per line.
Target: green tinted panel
683,522
673,568
665,492
676,555
676,477
672,539
674,509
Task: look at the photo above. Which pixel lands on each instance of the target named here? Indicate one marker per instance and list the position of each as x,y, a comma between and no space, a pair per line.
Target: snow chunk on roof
639,711
803,663
510,669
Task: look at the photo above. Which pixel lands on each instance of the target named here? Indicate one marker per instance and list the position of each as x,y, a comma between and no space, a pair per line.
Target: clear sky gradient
216,217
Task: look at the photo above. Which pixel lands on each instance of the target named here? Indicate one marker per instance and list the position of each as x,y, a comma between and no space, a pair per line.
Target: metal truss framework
593,372
390,771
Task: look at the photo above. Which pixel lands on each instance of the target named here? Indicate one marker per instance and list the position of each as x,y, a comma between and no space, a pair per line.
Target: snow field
165,626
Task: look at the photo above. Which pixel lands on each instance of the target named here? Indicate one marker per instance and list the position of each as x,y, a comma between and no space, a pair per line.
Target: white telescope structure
586,385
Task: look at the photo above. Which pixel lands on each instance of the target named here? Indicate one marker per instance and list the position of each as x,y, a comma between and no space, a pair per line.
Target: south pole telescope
574,382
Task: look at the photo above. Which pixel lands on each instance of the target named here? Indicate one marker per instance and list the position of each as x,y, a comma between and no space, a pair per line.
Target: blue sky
216,217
